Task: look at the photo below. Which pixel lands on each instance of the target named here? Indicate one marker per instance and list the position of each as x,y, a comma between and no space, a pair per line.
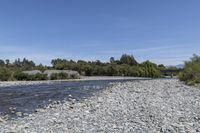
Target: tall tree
7,61
128,59
112,59
2,62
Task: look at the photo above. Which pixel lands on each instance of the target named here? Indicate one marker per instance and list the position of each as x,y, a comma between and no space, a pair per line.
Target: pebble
1,120
19,114
138,106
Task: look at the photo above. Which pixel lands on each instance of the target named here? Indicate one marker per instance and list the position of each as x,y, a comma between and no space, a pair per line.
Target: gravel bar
142,106
83,78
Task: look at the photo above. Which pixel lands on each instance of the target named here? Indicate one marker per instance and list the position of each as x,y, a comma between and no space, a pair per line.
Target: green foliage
2,63
39,76
56,76
5,74
128,59
125,66
24,64
191,72
161,67
112,59
150,69
74,76
41,68
18,75
111,70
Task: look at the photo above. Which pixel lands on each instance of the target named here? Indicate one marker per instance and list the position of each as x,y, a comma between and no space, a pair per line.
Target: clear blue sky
165,32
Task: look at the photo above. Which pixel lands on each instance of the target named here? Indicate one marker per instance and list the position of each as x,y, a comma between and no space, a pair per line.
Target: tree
17,63
25,64
195,58
150,69
191,72
2,62
111,70
41,67
128,59
161,67
7,61
5,74
112,59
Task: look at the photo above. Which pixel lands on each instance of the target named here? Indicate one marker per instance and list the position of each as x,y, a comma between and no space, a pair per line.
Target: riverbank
142,106
83,78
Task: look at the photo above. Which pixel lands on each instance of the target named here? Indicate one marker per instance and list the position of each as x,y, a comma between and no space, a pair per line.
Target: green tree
191,72
161,67
7,61
112,59
128,59
5,74
150,69
2,63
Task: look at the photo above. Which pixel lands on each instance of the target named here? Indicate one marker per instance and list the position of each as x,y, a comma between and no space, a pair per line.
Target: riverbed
19,100
124,107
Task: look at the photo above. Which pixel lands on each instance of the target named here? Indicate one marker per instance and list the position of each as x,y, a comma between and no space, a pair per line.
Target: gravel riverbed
83,78
141,106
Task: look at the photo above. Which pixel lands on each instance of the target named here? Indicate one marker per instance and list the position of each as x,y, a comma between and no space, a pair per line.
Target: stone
159,107
19,114
1,120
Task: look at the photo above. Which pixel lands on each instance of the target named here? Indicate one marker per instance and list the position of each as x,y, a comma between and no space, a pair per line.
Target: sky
165,32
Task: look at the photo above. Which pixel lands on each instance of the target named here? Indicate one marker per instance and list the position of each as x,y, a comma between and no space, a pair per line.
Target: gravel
20,83
142,106
83,78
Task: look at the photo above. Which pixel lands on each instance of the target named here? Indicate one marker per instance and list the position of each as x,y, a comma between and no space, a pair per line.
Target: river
27,98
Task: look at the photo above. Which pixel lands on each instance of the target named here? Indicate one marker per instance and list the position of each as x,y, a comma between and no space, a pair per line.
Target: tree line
125,66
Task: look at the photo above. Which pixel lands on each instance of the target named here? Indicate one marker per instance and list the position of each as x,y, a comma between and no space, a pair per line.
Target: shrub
5,74
74,76
56,76
63,76
18,75
191,72
150,69
39,76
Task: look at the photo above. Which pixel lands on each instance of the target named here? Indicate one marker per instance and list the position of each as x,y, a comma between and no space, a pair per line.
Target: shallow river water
27,98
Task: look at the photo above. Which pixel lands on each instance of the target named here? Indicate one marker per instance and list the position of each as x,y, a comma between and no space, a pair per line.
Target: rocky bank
141,106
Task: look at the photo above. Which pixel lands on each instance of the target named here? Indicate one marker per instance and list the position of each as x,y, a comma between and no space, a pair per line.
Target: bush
63,76
191,73
5,74
39,76
56,76
149,70
18,75
74,76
